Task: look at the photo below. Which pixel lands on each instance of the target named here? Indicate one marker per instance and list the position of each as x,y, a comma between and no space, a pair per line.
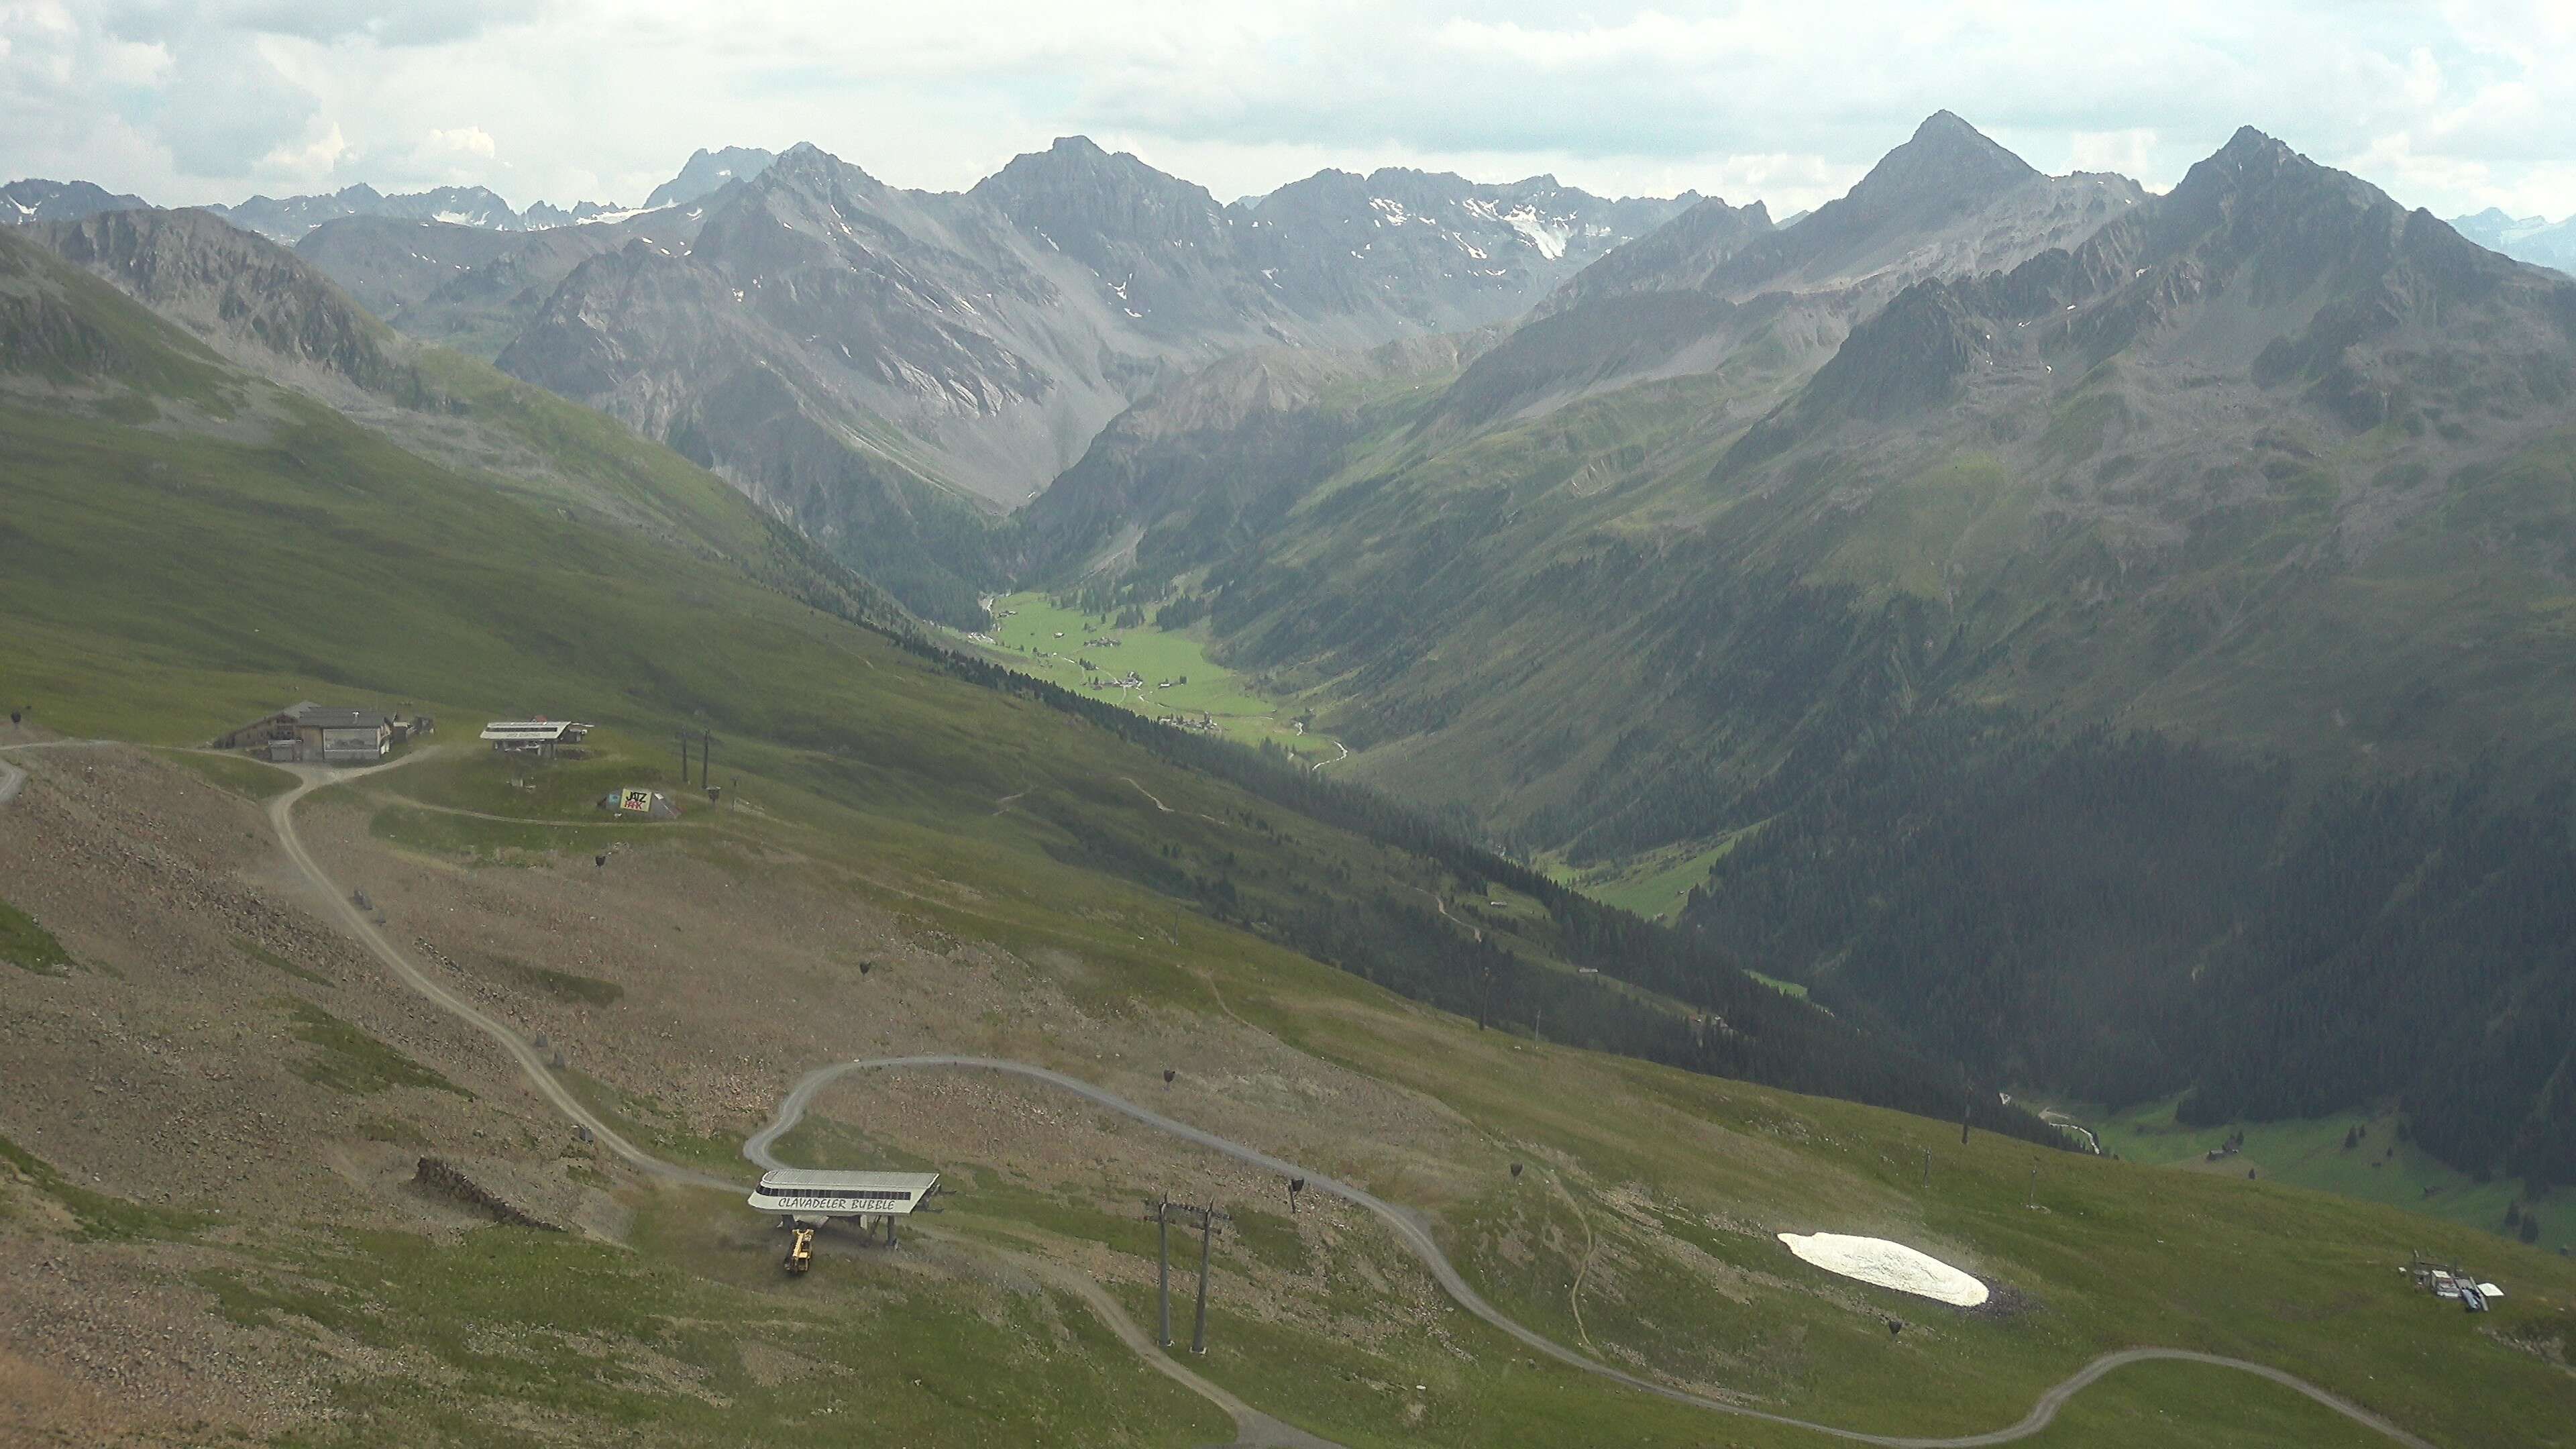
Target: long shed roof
913,1182
529,729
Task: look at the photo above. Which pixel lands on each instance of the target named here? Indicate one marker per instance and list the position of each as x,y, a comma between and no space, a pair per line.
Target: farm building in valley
309,733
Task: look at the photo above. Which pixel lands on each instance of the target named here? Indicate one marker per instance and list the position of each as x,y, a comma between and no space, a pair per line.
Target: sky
2451,106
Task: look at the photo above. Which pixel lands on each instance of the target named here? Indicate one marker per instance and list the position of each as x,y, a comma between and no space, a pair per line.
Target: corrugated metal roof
318,717
912,1182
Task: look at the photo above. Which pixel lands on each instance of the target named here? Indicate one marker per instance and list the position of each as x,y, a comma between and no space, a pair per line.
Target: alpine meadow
1889,757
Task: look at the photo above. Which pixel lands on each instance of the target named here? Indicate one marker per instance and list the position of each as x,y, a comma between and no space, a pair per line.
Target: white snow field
1889,1265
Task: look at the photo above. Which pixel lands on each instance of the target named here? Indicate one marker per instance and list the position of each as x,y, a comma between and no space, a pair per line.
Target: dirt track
1416,1237
1254,1430
1409,1229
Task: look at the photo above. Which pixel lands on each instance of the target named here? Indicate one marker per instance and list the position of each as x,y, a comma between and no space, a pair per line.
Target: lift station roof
812,1193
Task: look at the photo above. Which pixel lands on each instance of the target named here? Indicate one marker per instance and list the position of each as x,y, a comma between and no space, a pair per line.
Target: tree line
1725,1023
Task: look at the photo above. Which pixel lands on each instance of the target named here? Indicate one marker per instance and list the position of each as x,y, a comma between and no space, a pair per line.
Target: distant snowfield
1889,1265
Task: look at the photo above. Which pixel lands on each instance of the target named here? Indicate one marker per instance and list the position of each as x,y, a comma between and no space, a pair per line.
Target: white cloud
462,141
2452,105
2131,152
312,162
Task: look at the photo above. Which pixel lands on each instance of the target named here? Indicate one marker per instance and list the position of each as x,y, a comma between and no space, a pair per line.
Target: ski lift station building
806,1196
534,736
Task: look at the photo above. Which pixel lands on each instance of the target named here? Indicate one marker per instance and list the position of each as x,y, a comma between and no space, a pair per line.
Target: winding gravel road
281,816
1255,1430
1415,1234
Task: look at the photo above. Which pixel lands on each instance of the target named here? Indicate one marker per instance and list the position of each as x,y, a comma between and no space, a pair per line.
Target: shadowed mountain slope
2269,467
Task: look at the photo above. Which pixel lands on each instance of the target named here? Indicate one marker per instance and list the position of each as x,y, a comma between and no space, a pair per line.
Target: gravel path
281,816
12,779
1255,1430
1415,1234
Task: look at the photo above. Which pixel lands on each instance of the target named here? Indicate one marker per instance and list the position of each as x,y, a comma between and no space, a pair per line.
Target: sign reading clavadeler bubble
639,801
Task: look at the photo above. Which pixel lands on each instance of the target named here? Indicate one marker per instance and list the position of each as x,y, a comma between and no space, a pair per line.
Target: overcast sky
2451,106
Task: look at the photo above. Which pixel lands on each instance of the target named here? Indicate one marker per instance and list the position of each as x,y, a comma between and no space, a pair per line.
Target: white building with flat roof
535,736
806,1196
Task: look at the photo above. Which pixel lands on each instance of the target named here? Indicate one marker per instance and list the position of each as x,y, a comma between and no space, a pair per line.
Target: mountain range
34,200
1655,530
1981,509
2534,239
289,219
890,368
2079,646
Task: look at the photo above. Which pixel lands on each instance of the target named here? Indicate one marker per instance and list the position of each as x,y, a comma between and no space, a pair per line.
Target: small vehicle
800,1250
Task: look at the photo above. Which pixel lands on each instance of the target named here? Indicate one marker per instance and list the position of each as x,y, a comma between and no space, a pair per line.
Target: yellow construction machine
800,1250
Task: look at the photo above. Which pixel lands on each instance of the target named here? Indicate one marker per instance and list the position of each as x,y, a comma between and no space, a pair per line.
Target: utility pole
1163,1268
706,759
1927,1168
684,757
1207,1240
1159,1210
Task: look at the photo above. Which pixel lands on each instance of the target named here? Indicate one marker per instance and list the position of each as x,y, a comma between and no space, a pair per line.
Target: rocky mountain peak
802,159
707,172
1945,159
2249,156
35,199
810,171
2254,172
1078,162
1121,217
1678,256
246,295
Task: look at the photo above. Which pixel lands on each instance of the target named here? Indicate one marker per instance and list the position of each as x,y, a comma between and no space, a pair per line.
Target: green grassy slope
1643,1228
170,583
164,583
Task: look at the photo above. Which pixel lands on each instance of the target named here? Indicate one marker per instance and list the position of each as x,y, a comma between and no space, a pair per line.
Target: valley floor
1158,673
2381,1165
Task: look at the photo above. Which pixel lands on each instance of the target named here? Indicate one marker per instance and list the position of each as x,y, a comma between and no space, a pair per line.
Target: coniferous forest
2124,918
